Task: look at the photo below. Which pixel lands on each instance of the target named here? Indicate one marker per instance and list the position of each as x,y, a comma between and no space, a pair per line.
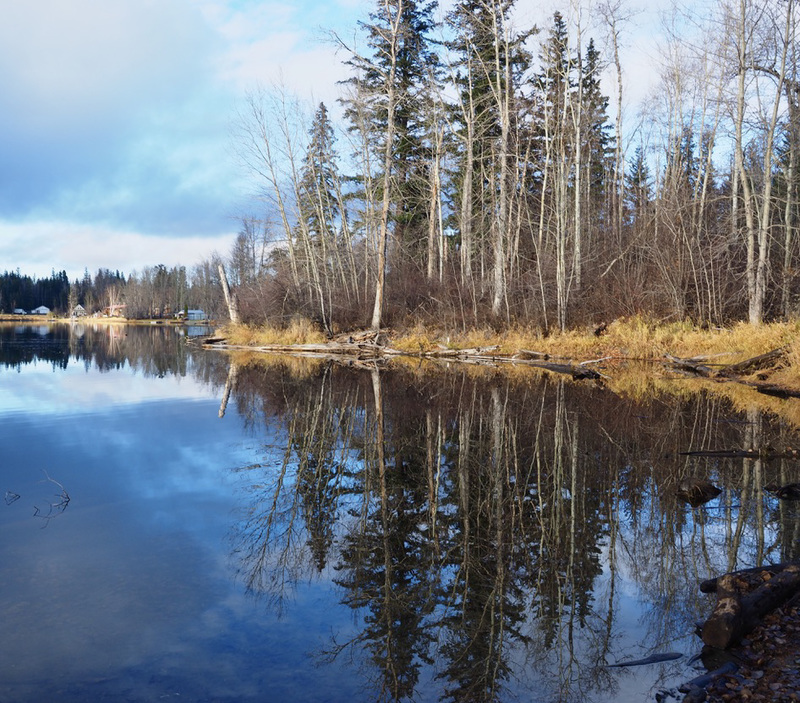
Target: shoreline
691,351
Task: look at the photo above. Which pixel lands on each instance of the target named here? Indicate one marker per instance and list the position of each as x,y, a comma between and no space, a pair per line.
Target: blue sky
116,120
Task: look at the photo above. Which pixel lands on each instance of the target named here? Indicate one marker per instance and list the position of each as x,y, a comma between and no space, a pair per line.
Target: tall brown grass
632,338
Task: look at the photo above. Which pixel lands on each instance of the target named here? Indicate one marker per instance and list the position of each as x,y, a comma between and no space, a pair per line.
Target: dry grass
626,338
630,338
300,331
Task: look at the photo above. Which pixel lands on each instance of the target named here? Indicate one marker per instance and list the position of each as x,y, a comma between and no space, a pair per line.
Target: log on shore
733,371
753,364
691,366
775,390
710,585
736,614
577,372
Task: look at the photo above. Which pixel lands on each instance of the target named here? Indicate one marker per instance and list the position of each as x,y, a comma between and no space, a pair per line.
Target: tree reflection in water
482,526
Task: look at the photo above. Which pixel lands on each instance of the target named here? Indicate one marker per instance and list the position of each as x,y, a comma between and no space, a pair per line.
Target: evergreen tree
403,68
598,144
319,206
638,187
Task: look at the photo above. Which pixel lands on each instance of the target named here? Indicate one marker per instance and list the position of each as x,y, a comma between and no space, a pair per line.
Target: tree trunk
735,615
383,232
230,296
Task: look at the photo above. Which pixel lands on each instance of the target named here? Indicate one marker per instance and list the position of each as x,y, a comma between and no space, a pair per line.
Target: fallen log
764,453
690,366
775,390
735,614
696,688
753,364
710,585
577,372
726,620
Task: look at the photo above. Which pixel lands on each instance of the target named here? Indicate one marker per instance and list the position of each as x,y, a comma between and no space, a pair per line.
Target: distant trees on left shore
154,292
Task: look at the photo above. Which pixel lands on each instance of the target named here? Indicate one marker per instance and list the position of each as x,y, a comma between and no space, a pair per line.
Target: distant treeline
18,291
154,292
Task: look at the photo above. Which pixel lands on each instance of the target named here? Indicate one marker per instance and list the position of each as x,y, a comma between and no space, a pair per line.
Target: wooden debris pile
372,346
699,366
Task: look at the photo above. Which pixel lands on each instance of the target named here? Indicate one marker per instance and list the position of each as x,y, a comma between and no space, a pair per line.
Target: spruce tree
598,143
319,204
411,69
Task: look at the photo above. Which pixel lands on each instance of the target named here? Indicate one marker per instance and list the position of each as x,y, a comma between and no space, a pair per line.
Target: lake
181,524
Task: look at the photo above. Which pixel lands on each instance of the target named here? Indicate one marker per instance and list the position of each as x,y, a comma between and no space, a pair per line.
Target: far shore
52,319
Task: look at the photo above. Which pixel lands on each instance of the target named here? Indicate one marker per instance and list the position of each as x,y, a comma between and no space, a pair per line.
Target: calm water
180,527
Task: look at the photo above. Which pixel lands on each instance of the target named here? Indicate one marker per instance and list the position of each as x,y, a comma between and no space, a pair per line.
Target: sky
116,121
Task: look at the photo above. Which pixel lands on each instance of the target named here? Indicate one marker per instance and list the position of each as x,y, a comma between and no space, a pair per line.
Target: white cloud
63,62
280,43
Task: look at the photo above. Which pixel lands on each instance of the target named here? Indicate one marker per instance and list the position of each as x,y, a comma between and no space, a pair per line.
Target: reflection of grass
298,367
632,345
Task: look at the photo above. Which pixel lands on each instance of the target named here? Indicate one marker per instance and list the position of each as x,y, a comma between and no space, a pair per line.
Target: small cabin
41,310
19,311
192,315
78,311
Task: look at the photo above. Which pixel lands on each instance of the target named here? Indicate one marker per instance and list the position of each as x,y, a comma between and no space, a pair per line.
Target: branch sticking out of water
53,509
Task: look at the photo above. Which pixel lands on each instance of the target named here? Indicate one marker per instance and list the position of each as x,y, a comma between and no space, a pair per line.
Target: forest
477,176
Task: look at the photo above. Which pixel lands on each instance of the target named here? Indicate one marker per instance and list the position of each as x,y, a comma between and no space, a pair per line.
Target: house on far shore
41,310
79,311
19,311
192,315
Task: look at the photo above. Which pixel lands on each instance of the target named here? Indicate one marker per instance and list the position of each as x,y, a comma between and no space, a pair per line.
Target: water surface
178,526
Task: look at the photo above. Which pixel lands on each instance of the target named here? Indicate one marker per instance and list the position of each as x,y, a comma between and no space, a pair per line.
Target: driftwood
753,364
696,688
710,585
576,371
734,372
737,613
764,453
